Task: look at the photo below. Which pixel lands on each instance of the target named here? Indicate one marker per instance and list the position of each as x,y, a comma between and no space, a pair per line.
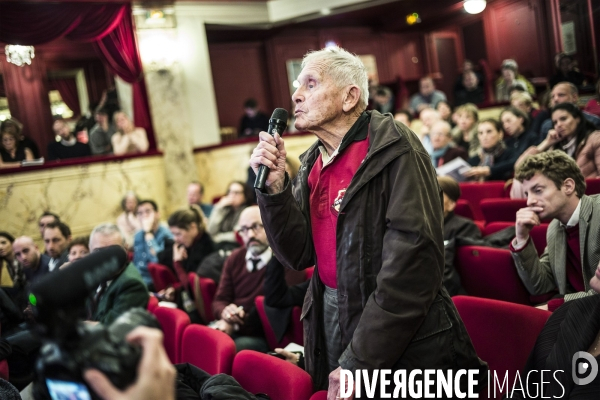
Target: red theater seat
294,333
320,395
152,303
262,373
490,273
4,370
538,233
474,192
592,186
208,349
501,209
309,273
208,288
173,322
463,208
162,276
503,334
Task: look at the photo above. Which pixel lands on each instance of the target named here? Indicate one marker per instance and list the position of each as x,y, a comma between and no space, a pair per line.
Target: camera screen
64,390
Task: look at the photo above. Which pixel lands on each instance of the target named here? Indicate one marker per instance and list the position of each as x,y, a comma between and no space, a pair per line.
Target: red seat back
152,304
4,370
208,349
173,322
501,209
208,287
309,273
474,192
490,273
320,395
162,276
262,373
496,227
463,208
592,186
495,326
294,332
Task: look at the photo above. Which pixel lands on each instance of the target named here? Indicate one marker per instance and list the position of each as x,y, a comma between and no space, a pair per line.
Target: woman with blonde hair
128,139
465,133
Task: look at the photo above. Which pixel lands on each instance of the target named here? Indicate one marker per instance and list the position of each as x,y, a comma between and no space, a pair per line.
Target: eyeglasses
255,227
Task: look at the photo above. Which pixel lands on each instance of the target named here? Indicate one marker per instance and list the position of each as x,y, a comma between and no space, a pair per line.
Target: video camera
70,346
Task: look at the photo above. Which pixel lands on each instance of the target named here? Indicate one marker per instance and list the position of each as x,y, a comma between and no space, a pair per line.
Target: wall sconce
19,55
159,50
474,6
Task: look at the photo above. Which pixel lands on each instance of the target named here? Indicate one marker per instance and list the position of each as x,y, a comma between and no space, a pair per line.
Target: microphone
277,124
74,283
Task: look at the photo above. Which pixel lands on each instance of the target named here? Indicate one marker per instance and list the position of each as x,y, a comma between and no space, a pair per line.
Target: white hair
106,229
344,68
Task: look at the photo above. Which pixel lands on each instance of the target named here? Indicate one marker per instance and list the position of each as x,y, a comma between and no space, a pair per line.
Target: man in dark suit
35,264
124,291
57,237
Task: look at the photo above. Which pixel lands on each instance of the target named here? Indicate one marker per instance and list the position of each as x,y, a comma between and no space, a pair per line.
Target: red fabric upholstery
208,349
173,322
475,192
152,303
501,209
490,273
262,373
162,276
4,370
592,186
320,395
495,326
463,208
208,287
538,233
294,333
309,273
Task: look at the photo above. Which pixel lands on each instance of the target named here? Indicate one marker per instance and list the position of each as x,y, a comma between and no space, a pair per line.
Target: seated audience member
195,193
46,218
468,66
35,264
150,240
555,189
68,147
242,280
428,117
517,136
128,139
445,111
16,127
11,273
227,211
383,101
471,92
12,151
523,101
495,161
404,116
253,121
574,135
566,71
565,92
184,254
427,97
57,236
128,222
572,328
101,133
465,133
593,105
443,148
510,78
123,291
79,248
455,227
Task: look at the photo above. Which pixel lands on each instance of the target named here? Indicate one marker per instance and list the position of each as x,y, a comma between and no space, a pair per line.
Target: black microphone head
75,282
280,113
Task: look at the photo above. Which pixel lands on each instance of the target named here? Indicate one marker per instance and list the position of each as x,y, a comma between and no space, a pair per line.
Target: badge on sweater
338,200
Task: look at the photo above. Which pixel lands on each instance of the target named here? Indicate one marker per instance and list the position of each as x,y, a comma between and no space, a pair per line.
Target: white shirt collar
265,257
574,220
325,155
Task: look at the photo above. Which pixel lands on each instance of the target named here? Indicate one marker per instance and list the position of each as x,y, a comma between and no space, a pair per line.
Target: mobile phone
67,390
272,353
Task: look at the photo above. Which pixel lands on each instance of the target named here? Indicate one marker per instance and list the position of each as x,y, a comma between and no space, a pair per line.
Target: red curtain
109,26
67,87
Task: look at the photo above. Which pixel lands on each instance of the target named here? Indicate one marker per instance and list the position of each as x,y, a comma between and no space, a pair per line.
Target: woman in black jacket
495,161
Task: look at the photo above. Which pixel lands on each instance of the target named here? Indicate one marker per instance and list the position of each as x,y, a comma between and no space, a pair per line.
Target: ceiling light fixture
19,55
474,6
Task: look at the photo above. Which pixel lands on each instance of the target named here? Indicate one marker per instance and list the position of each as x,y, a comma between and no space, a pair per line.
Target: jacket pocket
436,321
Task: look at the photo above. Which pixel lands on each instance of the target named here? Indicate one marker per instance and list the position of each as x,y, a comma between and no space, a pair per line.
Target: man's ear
451,206
351,98
569,185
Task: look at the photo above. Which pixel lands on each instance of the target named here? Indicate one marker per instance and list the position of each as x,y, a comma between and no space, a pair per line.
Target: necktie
255,262
95,300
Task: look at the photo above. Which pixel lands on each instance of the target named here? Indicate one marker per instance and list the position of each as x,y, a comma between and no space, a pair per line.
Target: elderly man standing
367,210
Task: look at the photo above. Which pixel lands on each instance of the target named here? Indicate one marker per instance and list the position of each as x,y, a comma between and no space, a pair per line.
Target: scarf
488,156
437,154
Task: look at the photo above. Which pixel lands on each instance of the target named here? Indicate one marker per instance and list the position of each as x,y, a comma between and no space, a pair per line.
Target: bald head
26,252
564,92
429,117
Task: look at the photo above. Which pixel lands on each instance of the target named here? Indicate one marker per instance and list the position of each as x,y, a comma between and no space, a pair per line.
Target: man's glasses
255,227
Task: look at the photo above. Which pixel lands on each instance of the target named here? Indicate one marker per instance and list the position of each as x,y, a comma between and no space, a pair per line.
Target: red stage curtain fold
67,87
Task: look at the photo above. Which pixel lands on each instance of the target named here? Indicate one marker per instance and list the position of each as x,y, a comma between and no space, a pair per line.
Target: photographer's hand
156,374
